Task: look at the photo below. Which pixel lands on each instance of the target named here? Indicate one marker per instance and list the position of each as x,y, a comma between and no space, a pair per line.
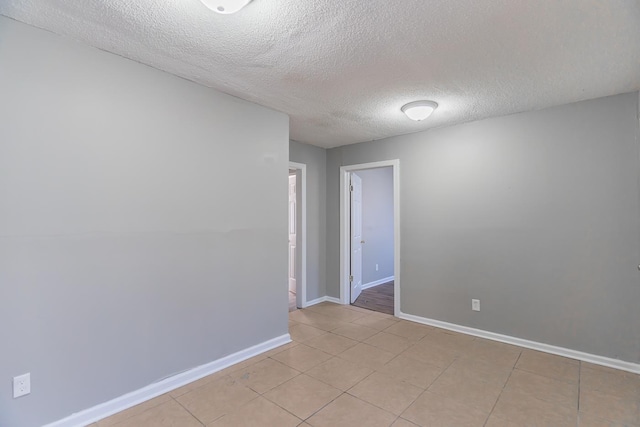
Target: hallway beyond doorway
378,298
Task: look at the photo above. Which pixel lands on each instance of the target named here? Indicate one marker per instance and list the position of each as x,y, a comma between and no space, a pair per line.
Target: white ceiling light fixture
419,110
225,6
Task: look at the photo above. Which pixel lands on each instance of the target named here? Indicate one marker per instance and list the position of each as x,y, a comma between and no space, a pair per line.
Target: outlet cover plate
475,304
21,385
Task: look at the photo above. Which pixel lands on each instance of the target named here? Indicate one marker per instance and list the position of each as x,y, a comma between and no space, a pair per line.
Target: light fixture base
225,7
419,110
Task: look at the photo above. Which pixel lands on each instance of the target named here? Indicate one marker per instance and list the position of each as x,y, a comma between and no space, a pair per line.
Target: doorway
370,236
297,251
293,243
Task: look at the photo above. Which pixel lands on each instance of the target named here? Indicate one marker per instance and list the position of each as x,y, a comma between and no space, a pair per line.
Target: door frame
345,252
301,235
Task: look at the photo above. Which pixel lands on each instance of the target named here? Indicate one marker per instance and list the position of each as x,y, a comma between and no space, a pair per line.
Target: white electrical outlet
475,304
376,267
21,385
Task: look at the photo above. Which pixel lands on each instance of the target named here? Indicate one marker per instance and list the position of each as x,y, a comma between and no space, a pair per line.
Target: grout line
190,413
101,421
579,387
441,373
503,387
350,388
364,378
278,405
324,406
376,406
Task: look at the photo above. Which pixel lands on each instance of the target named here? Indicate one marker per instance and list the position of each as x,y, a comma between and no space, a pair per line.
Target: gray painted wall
125,229
316,160
535,214
377,223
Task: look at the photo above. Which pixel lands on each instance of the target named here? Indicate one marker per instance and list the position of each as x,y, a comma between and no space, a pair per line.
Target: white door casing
292,233
345,234
356,237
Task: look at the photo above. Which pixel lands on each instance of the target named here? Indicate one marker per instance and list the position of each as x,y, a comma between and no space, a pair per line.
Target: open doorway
297,253
369,231
293,241
371,222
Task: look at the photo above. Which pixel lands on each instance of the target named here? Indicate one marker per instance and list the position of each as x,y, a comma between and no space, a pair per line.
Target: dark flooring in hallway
379,298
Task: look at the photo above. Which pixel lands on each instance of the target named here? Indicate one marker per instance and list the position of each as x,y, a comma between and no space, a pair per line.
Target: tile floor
348,366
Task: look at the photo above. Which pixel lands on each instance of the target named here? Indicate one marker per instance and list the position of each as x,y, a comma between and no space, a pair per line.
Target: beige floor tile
280,349
346,315
606,369
338,312
331,343
610,381
355,332
494,352
196,384
358,309
316,320
133,411
348,411
549,365
448,339
482,370
410,330
303,395
265,375
301,332
544,388
585,420
386,392
244,364
403,423
367,355
302,357
340,373
167,414
435,410
494,421
258,412
525,409
412,371
466,390
375,322
389,342
432,354
216,399
382,315
324,303
320,308
609,407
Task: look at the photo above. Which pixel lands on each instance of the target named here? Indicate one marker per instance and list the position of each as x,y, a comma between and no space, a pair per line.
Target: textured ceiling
342,69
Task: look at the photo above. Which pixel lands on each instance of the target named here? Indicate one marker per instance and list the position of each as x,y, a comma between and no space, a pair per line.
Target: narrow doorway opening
369,258
293,242
297,251
372,245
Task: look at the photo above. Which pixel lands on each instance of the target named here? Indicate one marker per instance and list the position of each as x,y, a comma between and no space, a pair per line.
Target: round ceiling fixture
225,6
419,110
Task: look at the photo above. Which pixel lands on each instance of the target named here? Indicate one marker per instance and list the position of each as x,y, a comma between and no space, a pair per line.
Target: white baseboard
136,397
378,282
547,348
322,299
